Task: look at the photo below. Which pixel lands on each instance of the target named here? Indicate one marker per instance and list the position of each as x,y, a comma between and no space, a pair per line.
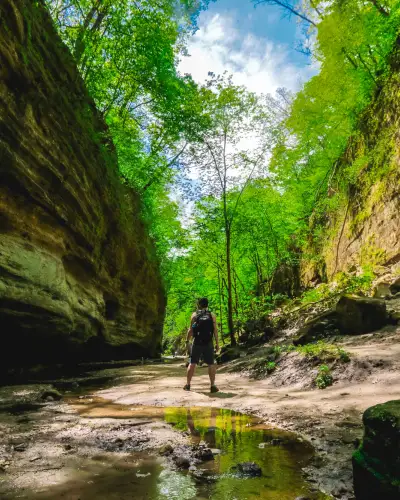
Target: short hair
203,302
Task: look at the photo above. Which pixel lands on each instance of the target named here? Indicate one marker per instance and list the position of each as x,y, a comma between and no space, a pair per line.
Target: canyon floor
45,447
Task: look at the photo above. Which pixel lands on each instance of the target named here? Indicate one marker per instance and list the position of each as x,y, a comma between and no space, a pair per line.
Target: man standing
203,327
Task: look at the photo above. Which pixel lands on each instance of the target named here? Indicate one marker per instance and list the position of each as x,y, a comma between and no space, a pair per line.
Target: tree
228,155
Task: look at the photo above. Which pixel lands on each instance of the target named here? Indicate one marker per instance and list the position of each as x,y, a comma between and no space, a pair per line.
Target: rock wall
365,230
78,274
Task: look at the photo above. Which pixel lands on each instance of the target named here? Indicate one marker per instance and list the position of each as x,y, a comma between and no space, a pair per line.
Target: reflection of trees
239,442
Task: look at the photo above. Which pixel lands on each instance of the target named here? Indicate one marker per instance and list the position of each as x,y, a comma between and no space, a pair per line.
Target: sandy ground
72,442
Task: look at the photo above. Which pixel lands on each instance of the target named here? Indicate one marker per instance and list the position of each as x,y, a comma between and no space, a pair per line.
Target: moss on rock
376,464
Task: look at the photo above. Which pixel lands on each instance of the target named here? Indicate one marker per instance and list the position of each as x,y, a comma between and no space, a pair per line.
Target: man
203,327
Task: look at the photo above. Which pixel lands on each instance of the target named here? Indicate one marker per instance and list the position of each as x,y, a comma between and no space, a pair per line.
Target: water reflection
238,436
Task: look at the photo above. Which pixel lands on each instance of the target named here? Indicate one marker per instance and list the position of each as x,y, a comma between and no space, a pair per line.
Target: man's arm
190,330
215,331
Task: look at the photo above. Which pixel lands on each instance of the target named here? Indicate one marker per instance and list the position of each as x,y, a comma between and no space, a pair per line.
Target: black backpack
203,327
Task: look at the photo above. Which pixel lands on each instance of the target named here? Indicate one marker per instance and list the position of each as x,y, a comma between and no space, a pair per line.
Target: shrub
271,366
324,378
323,351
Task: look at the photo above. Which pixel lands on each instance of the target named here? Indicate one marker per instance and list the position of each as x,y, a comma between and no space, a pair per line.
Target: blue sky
255,44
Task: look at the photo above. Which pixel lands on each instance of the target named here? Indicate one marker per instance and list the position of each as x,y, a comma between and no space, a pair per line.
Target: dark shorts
205,351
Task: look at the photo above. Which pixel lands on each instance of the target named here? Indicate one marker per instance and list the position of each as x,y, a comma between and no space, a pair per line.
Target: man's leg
190,372
212,370
194,359
208,354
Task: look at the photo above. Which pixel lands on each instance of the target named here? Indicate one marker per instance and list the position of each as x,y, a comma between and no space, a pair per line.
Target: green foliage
270,366
353,41
256,207
323,351
127,53
324,378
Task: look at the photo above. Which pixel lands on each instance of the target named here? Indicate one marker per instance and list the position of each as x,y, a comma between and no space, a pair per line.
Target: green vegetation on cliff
247,196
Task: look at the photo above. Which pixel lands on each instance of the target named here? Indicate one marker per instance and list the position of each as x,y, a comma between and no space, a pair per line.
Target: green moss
371,255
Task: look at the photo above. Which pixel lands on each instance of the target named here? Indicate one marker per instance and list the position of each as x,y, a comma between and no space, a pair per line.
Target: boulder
376,464
204,454
286,280
395,287
318,327
358,315
228,354
382,291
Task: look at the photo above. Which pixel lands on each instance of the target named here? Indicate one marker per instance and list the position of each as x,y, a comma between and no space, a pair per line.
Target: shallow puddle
237,437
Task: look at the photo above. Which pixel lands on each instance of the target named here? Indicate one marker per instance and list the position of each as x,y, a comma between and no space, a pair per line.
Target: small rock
215,451
51,395
204,454
165,450
20,447
182,462
249,469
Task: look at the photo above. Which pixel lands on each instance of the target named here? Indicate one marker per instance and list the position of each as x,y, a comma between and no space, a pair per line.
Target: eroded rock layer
78,275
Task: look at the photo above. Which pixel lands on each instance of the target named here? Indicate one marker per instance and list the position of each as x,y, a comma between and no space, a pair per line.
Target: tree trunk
220,303
229,279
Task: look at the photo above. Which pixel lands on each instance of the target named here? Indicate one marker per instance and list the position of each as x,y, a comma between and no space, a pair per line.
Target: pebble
20,447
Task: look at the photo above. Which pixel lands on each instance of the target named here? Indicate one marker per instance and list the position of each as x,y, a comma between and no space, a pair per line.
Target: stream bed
86,447
233,437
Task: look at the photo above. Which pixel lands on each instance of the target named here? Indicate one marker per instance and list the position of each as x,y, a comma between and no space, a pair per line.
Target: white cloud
258,63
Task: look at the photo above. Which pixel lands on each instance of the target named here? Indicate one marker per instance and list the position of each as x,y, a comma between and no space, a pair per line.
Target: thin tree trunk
229,283
380,8
220,302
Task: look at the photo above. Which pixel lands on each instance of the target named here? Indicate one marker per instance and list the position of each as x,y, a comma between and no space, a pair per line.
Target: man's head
202,303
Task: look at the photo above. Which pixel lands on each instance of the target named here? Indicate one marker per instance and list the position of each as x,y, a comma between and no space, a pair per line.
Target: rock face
376,465
78,274
286,280
319,327
365,232
358,315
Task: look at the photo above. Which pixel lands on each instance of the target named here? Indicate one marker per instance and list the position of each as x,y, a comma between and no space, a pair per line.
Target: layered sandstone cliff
78,275
365,230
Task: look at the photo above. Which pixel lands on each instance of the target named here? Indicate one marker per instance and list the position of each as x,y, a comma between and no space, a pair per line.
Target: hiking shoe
214,388
186,387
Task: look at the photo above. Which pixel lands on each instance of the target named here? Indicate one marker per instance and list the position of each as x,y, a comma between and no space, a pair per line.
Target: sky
257,45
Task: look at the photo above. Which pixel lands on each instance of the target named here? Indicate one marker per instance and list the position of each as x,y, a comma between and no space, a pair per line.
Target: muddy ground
44,443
